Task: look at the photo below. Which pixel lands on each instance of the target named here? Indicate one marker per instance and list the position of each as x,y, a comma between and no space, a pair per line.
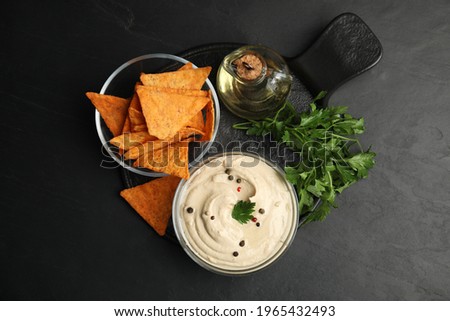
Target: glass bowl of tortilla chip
149,87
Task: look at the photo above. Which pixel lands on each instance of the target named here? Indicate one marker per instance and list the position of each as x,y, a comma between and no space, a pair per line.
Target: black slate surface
66,234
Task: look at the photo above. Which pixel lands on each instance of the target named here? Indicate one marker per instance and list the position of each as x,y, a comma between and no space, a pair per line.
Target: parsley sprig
242,211
325,139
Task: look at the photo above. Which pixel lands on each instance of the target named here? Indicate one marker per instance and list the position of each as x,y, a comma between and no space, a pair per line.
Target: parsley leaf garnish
242,211
332,159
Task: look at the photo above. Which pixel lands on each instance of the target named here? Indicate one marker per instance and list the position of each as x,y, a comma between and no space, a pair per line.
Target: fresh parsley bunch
332,158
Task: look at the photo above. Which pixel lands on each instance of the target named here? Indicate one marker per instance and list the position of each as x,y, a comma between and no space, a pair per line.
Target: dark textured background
66,234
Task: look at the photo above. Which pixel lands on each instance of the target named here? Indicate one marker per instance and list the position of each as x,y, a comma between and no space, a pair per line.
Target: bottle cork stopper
248,67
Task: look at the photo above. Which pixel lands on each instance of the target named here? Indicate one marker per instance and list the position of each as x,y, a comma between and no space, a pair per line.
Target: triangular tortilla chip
180,91
135,104
171,160
146,148
135,112
187,140
113,110
128,140
184,135
153,201
139,128
187,132
126,126
138,83
187,66
167,113
209,123
136,117
184,79
197,121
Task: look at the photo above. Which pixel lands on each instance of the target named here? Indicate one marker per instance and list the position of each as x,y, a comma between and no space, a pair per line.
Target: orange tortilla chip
184,135
128,140
136,117
139,128
135,104
138,83
209,123
187,140
112,109
187,66
188,132
126,126
172,160
167,113
184,79
180,91
135,113
197,121
146,148
153,201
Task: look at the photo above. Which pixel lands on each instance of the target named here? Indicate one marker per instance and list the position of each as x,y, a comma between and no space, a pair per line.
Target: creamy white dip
211,231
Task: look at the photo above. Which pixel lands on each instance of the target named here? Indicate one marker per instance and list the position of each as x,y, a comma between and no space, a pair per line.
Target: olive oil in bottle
253,82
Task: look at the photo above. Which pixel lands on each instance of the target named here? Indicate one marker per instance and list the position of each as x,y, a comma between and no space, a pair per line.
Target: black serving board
345,49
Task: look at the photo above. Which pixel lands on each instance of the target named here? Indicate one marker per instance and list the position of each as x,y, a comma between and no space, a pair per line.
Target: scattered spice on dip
217,237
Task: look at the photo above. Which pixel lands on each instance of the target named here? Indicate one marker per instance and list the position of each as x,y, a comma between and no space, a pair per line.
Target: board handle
345,49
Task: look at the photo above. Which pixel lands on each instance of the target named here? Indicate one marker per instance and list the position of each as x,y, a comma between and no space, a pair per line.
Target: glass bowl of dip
121,83
202,213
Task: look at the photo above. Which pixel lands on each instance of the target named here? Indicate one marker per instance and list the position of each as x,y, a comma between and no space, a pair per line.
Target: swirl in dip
206,208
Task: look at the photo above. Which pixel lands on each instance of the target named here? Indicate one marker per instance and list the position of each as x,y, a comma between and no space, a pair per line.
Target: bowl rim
179,229
98,119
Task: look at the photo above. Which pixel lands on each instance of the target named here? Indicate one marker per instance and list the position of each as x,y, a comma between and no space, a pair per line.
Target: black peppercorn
235,253
230,177
238,180
190,210
261,211
242,243
212,217
258,224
